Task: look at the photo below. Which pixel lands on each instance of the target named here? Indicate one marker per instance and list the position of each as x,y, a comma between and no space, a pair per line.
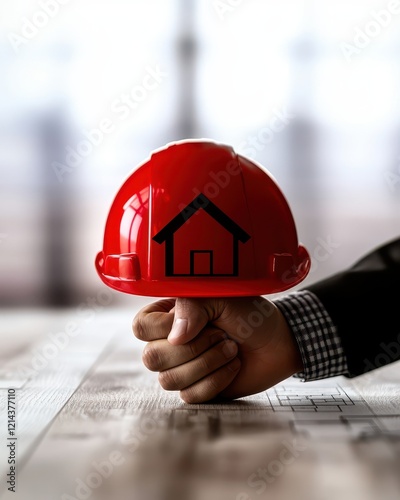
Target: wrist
293,358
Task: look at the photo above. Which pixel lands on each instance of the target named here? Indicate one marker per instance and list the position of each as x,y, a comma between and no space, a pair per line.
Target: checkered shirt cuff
316,335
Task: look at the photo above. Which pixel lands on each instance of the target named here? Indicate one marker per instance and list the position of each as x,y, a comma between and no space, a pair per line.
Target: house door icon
201,263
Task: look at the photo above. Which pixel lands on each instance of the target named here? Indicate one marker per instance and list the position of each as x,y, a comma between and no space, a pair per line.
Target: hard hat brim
209,286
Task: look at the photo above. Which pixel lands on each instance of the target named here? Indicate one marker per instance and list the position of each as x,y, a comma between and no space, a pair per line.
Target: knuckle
200,393
192,307
189,396
137,328
193,348
205,363
168,380
212,385
216,336
228,349
151,358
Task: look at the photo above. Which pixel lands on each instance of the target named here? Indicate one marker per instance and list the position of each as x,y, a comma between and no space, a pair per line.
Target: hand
217,347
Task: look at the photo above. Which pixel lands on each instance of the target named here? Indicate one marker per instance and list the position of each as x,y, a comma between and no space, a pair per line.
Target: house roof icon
167,235
201,202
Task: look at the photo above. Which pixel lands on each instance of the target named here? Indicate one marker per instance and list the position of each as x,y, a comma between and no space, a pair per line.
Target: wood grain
95,407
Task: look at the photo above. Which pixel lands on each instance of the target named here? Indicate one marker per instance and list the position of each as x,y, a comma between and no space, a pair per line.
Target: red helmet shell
199,220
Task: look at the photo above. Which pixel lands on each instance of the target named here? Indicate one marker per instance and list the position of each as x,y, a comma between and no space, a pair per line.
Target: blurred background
309,89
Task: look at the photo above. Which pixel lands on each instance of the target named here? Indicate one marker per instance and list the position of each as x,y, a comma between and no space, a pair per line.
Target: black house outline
166,234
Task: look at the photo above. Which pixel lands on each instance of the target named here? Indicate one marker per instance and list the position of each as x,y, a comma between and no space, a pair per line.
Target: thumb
190,317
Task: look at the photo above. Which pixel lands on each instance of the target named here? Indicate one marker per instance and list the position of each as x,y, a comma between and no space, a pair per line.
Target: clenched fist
217,347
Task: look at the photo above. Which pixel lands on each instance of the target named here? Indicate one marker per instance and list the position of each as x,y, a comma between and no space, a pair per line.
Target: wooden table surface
93,423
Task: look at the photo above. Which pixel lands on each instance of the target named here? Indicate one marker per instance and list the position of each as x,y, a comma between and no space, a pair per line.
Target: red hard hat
198,220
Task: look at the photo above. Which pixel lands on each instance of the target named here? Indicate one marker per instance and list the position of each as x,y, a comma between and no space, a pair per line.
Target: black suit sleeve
364,304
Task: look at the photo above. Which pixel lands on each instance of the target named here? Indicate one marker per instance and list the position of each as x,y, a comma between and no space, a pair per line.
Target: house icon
202,251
